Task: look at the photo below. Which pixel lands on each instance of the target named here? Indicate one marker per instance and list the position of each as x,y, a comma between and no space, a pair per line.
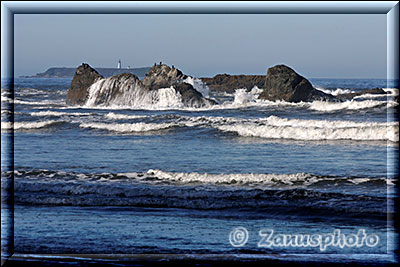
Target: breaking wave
39,103
270,180
241,97
338,91
391,91
244,98
127,92
29,125
5,98
114,116
156,188
277,128
350,105
132,96
271,127
198,85
57,113
128,127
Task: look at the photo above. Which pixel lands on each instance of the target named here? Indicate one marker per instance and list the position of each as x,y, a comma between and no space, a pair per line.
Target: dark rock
373,91
127,88
116,87
162,76
377,91
229,83
84,77
283,83
191,97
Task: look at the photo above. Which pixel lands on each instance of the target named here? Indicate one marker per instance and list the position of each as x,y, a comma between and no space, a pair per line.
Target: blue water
91,180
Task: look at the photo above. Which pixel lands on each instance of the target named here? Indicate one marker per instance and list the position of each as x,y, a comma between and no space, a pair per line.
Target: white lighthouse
119,64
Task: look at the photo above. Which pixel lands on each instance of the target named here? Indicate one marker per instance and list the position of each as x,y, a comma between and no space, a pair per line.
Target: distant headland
66,72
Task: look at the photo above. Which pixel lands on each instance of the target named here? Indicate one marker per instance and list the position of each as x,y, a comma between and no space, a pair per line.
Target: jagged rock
84,77
283,83
90,88
229,83
162,76
115,89
191,97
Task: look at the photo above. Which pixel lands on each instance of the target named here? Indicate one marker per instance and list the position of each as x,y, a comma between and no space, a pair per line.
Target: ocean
245,178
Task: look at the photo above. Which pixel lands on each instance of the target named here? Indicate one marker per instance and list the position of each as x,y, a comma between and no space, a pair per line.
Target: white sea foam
190,190
167,97
338,91
277,121
302,179
392,91
271,127
349,105
4,98
114,116
128,127
193,177
231,178
28,125
243,97
103,92
34,91
256,91
366,96
57,113
130,95
39,103
277,128
198,85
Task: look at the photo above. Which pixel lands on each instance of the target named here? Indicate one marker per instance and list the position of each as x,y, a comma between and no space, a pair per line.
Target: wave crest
29,125
158,188
277,128
128,127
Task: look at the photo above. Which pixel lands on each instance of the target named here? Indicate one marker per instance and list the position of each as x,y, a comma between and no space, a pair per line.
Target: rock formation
84,77
191,97
162,76
121,88
162,85
229,83
283,83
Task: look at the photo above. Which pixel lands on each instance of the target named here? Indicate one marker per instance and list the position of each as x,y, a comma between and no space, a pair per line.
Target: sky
315,45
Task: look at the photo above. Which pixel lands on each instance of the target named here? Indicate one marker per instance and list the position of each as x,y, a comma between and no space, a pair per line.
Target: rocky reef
229,83
283,83
373,91
161,87
165,86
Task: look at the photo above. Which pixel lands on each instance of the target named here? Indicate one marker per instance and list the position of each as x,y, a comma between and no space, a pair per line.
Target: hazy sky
331,46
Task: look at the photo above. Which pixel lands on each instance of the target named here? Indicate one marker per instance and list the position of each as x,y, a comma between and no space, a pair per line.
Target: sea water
163,178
